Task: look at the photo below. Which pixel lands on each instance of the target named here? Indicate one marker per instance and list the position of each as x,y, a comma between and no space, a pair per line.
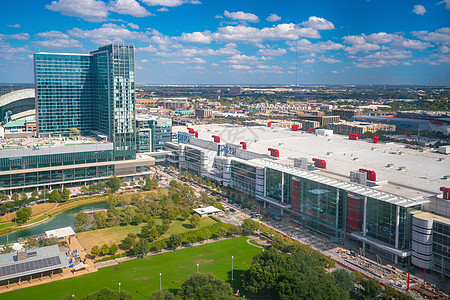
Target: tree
15,196
65,194
95,250
23,215
100,219
221,231
49,241
23,196
142,247
148,184
6,249
114,183
44,194
195,220
84,189
34,195
151,223
113,249
249,226
155,182
3,197
31,243
204,286
82,221
108,294
161,245
54,196
175,240
104,249
344,279
298,275
128,241
163,294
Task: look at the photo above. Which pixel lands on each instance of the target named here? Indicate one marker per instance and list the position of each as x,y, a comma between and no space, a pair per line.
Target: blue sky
240,42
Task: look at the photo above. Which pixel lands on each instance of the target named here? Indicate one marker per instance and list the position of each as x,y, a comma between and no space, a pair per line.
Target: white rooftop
402,171
60,232
206,210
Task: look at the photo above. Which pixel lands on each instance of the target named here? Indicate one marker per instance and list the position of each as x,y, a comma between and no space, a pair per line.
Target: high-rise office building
93,93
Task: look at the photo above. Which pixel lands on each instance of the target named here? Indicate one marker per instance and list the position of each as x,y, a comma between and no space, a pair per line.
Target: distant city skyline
239,42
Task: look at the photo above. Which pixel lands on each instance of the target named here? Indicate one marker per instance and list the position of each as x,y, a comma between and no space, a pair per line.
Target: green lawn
140,277
113,235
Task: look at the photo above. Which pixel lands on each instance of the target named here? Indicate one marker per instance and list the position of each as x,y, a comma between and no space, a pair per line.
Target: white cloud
128,7
446,2
196,37
441,35
318,23
60,43
390,54
273,18
329,60
380,37
149,48
304,45
397,41
359,44
8,52
228,49
169,3
255,35
444,49
16,36
132,25
335,72
272,52
195,60
88,10
14,25
241,67
162,9
53,35
241,58
108,33
309,61
241,16
419,10
145,60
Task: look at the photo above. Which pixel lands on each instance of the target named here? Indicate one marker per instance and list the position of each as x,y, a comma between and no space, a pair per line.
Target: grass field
140,277
114,235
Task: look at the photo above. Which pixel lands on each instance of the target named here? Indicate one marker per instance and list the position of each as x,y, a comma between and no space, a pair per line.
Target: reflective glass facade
89,92
441,247
244,177
63,93
55,176
273,184
160,133
52,160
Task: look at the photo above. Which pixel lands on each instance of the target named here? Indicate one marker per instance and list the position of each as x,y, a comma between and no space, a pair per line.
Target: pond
64,219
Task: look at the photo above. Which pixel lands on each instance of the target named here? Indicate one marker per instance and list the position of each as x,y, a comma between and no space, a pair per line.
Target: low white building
206,211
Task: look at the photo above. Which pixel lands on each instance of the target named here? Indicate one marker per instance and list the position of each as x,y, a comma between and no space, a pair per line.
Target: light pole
119,287
197,268
159,281
232,269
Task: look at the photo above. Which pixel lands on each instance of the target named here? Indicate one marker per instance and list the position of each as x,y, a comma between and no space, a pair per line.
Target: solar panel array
30,266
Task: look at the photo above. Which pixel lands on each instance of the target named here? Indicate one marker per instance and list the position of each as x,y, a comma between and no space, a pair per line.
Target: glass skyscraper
91,92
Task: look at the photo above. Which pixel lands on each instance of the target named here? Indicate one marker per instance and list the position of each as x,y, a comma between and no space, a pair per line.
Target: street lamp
119,287
197,268
232,269
159,281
